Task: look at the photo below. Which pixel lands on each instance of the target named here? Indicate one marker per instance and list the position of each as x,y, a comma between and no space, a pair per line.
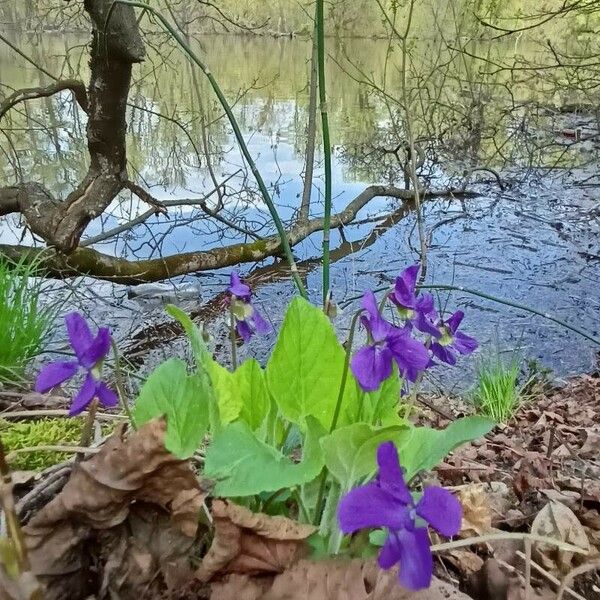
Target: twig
232,338
45,489
574,573
311,131
320,32
145,196
77,87
527,568
546,574
58,412
491,537
52,448
167,204
120,386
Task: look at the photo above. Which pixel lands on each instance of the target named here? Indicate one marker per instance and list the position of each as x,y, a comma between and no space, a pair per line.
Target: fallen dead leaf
85,525
533,475
330,580
567,497
477,516
591,446
464,561
252,543
559,522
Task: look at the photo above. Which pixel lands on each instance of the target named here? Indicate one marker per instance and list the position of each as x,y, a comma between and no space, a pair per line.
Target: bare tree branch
77,87
86,261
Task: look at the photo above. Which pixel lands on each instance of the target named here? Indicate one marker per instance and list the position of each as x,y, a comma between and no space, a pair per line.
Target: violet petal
443,353
416,562
107,397
404,289
441,509
371,365
390,553
54,374
238,288
391,476
408,352
80,336
244,330
97,350
261,325
84,396
464,343
454,321
370,506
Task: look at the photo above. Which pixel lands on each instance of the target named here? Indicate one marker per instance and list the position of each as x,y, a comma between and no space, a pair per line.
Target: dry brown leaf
330,580
477,516
85,522
591,446
559,522
533,474
465,561
252,543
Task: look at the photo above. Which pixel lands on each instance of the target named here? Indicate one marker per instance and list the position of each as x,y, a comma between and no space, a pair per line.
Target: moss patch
41,432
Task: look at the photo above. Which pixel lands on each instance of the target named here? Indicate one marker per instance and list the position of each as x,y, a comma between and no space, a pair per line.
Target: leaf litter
126,523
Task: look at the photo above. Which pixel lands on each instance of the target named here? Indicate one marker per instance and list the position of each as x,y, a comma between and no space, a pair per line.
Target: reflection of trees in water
470,104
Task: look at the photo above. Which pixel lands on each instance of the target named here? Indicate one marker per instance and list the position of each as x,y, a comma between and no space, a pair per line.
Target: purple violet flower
412,307
404,294
450,341
90,351
247,319
372,364
387,502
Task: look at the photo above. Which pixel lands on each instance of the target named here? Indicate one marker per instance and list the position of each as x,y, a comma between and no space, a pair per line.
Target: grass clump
498,393
25,323
41,432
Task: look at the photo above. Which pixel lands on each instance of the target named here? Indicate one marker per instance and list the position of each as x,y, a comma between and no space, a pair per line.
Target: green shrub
25,323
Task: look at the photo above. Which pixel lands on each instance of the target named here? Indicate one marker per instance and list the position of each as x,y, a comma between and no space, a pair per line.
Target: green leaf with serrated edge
351,451
305,368
425,448
228,399
203,360
250,385
181,398
243,465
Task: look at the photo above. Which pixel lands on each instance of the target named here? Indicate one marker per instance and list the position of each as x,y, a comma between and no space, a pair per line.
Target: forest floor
540,475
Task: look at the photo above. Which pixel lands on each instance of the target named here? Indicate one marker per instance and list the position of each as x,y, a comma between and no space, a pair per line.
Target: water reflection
504,242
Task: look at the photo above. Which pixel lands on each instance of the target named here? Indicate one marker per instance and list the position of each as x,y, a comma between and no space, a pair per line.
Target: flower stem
336,413
361,405
120,386
88,426
233,339
414,390
338,406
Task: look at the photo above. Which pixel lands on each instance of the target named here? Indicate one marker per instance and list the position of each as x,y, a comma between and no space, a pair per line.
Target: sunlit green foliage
25,321
498,393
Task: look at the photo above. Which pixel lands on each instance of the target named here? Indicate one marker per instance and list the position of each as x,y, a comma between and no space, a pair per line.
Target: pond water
533,242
